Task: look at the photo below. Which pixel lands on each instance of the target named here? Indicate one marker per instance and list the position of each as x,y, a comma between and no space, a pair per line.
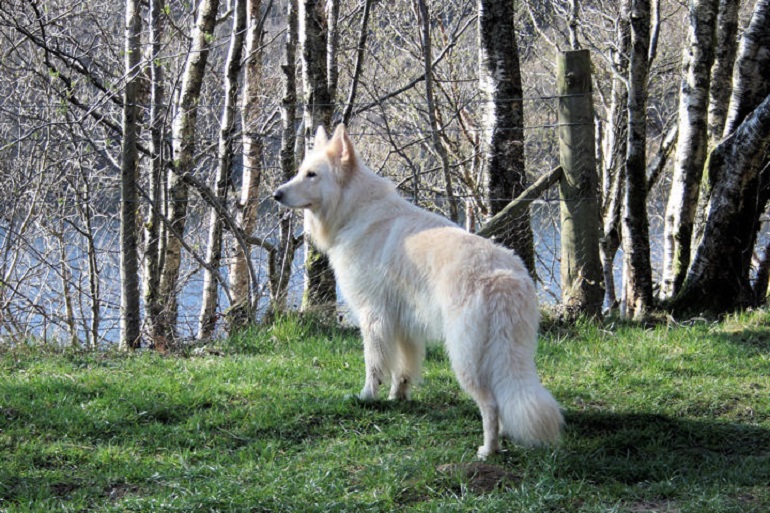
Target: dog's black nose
277,195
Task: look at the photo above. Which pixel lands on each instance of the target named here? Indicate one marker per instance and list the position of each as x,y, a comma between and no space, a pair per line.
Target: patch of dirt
659,506
481,477
119,490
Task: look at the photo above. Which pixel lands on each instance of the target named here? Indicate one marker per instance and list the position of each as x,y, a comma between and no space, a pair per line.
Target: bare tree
130,320
726,46
210,298
184,143
738,184
423,19
283,256
637,272
154,250
691,147
320,293
500,83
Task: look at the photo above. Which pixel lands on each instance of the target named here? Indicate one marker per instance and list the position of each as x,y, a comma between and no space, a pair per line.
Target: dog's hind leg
407,370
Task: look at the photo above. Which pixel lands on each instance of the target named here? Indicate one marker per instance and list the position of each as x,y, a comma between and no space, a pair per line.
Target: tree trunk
153,227
637,273
581,271
435,125
183,144
130,320
363,33
500,83
722,70
241,312
210,299
282,259
613,176
691,147
738,184
718,279
320,293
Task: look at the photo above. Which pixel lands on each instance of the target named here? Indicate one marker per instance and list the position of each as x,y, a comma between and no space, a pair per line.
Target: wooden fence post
582,287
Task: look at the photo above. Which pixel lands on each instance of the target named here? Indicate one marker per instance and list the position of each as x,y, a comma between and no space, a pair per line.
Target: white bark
210,299
691,147
183,144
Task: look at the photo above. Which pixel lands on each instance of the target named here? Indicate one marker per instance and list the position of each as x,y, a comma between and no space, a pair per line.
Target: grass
663,419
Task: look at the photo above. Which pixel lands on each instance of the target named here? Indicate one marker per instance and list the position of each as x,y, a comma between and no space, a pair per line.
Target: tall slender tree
281,265
242,310
637,272
183,146
154,233
692,145
320,293
130,320
503,142
225,150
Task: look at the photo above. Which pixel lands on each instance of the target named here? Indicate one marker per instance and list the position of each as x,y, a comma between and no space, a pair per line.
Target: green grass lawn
663,419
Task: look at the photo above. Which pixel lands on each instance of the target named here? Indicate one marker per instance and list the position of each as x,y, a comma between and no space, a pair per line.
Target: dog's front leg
377,357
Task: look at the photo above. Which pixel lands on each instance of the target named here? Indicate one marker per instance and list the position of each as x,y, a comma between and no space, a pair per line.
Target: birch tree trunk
500,83
241,312
183,145
282,259
738,184
722,70
210,298
320,293
130,321
691,147
637,273
613,174
153,226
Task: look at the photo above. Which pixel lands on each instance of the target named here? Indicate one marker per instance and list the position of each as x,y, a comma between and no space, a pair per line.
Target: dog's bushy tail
528,412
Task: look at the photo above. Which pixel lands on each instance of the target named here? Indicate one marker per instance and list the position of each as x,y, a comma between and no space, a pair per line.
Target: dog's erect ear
321,139
341,150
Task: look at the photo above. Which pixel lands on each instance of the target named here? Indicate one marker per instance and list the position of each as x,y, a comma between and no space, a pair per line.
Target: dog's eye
311,174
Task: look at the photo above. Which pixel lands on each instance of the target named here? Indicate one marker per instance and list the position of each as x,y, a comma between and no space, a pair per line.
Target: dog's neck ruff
361,190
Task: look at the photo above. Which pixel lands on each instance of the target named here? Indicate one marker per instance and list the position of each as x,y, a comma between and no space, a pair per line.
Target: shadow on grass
634,448
754,340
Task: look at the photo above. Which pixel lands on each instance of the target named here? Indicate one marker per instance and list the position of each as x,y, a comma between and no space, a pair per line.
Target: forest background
139,147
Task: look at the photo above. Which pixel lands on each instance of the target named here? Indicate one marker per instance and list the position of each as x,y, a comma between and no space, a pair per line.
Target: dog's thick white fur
412,276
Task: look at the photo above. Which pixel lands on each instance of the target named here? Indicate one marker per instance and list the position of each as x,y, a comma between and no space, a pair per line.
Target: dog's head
322,174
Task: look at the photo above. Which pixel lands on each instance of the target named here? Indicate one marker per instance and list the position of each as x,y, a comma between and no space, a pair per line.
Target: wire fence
59,278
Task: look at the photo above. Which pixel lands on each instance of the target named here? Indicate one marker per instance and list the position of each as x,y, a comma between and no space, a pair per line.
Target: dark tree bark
637,272
130,320
320,293
281,258
738,188
153,226
500,83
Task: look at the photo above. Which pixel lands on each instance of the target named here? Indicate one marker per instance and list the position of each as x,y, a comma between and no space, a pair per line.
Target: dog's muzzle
278,195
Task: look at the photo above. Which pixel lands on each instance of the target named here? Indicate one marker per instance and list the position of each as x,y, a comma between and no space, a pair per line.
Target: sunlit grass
664,418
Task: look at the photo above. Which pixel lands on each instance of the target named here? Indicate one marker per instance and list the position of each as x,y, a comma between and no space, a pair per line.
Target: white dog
412,276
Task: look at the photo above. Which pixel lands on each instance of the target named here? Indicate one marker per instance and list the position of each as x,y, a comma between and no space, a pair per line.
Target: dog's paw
366,395
484,452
